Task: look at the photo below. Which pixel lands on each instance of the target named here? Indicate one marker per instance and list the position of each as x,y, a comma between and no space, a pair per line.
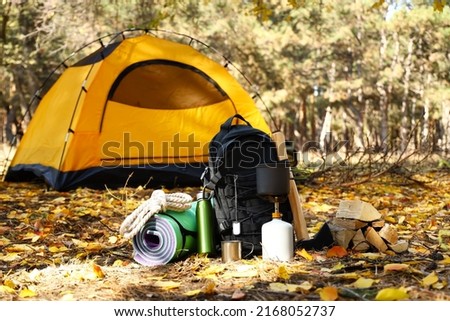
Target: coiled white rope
158,202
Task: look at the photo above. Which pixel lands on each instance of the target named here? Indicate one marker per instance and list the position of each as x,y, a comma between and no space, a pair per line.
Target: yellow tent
143,105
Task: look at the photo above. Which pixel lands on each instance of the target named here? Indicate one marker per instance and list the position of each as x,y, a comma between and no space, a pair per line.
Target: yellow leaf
79,243
94,247
243,271
363,283
278,287
27,293
193,292
211,271
112,239
328,293
338,267
9,257
19,248
391,294
56,249
430,279
289,287
305,255
31,236
439,5
6,289
349,275
98,271
67,297
283,273
445,261
10,283
167,285
439,285
209,287
378,4
4,241
305,286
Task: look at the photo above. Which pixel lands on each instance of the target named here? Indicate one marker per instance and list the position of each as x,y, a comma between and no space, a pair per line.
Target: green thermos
205,223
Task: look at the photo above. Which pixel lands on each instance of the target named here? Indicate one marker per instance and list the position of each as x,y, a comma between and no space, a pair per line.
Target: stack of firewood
359,226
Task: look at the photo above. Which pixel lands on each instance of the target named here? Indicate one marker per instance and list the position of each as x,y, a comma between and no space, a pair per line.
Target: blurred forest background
358,77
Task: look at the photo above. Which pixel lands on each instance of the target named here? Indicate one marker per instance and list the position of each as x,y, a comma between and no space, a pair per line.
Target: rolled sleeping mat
166,237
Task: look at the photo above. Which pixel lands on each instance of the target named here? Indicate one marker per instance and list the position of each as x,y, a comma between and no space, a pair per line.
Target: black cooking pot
272,180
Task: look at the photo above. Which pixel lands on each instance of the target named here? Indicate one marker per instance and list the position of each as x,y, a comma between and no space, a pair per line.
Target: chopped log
389,233
377,224
373,238
399,247
358,210
343,237
359,242
349,224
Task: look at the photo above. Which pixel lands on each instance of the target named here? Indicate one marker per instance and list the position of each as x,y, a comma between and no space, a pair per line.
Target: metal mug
231,250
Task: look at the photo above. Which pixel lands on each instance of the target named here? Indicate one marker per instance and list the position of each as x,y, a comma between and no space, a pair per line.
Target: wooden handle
294,198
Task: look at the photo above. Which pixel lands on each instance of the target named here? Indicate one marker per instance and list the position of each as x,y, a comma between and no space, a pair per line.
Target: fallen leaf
79,243
209,287
94,247
391,294
118,262
167,285
328,293
305,286
278,287
27,293
395,267
445,261
6,289
430,279
349,275
244,271
288,287
193,292
113,239
67,297
439,285
439,5
378,4
56,249
336,251
363,283
98,271
238,295
4,241
337,267
211,271
10,257
283,273
9,283
303,253
19,248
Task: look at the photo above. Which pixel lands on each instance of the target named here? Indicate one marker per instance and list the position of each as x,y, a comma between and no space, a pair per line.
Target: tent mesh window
165,85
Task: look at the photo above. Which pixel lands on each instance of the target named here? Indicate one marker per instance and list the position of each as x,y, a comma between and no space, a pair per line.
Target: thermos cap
203,195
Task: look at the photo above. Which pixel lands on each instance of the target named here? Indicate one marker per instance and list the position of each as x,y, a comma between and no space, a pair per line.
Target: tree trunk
384,130
445,122
405,128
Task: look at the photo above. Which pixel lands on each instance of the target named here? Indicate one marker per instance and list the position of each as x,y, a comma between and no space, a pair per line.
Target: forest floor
66,246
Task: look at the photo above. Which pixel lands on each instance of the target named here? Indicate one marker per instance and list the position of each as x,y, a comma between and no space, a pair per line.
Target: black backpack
234,153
